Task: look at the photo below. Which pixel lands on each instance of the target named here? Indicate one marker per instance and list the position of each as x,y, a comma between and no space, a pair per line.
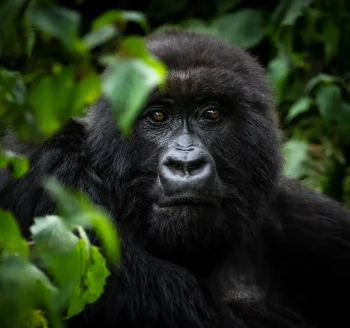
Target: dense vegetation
51,57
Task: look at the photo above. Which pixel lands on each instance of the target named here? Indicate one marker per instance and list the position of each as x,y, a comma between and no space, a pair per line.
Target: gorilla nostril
196,165
175,165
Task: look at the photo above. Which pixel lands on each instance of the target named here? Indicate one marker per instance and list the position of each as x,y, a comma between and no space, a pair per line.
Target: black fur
270,254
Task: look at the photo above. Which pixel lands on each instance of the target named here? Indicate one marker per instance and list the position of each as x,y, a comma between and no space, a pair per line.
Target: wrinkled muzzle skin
200,183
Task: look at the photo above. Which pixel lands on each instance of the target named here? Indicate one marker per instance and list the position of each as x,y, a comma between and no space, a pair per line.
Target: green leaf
77,209
92,285
331,37
58,22
244,28
302,105
129,80
10,236
56,247
49,99
101,35
23,288
56,98
296,154
321,78
17,164
295,9
37,320
120,17
328,100
13,41
79,269
278,71
86,92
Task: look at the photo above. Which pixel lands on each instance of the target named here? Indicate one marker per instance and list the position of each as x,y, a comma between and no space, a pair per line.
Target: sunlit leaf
10,235
18,165
87,90
92,284
45,103
245,28
302,105
37,320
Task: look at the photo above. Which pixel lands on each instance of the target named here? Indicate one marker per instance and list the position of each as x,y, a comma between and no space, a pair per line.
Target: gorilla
213,235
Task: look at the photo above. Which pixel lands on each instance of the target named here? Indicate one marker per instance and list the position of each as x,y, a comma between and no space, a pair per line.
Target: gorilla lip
186,201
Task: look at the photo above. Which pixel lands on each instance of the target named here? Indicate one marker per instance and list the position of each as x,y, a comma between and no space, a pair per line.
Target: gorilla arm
311,250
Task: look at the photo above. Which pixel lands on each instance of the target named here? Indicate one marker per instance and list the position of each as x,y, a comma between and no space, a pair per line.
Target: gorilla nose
186,169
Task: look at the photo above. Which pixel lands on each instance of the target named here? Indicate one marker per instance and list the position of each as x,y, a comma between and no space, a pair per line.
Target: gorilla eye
212,114
157,116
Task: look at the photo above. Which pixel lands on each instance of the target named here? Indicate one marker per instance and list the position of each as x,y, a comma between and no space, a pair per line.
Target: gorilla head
203,162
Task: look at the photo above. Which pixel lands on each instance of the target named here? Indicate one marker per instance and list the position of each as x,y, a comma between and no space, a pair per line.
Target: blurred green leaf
295,10
129,80
23,288
296,154
77,209
302,105
328,100
278,72
37,320
86,92
18,165
10,236
244,28
56,247
321,78
48,99
58,22
120,17
12,28
56,98
331,40
101,35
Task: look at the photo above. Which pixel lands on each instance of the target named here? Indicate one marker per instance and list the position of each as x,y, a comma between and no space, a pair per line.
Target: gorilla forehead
200,64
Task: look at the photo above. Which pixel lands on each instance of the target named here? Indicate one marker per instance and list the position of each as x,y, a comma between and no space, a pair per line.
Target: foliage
51,57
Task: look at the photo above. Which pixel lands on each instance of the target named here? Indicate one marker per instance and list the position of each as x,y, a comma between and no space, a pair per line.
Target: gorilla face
204,160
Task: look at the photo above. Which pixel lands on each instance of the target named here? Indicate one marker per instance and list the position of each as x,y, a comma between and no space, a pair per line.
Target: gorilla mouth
187,201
